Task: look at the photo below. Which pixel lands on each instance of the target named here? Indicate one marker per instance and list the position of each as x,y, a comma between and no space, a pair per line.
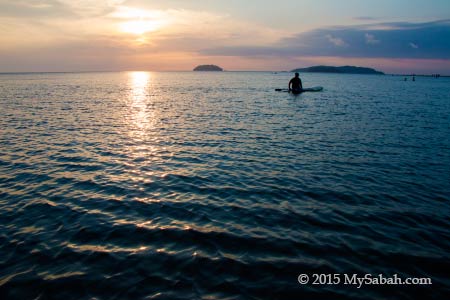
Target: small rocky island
208,68
342,70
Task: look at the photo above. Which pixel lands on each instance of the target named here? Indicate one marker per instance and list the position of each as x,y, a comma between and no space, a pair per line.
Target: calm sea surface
214,186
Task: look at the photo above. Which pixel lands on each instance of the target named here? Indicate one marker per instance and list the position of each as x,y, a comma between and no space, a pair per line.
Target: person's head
296,74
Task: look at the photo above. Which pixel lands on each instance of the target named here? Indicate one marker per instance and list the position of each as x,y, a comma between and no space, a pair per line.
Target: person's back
295,84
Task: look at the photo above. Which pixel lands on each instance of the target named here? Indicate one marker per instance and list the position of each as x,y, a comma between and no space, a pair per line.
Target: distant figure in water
296,84
406,79
414,78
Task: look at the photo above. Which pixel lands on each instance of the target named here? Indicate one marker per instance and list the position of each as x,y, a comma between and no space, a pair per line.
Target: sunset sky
395,36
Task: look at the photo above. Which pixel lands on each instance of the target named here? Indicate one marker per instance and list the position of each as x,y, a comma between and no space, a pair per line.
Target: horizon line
256,71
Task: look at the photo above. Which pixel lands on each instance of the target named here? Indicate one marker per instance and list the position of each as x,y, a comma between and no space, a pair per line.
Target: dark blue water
214,186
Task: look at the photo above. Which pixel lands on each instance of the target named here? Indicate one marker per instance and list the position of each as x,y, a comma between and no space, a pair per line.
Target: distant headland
208,68
343,70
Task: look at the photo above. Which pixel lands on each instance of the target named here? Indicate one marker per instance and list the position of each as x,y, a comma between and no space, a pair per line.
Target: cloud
36,9
338,42
93,36
89,8
357,41
365,18
51,9
70,33
370,39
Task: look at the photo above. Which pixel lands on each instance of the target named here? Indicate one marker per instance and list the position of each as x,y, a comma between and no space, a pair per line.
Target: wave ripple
124,186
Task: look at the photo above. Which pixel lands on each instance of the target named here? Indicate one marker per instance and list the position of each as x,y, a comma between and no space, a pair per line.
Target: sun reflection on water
145,148
139,86
142,117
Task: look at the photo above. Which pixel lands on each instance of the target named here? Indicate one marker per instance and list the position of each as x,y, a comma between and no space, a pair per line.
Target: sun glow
140,26
139,21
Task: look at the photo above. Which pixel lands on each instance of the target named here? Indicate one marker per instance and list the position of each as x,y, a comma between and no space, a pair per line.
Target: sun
140,21
140,27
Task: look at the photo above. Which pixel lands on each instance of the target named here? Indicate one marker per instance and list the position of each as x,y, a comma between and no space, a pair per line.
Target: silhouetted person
296,84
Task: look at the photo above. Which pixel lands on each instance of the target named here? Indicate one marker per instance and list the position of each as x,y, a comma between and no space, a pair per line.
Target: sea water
197,185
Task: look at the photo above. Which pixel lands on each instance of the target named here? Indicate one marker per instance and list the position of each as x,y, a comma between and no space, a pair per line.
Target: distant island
208,68
343,69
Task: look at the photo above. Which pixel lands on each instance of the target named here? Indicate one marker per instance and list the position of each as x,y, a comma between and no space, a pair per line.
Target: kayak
312,89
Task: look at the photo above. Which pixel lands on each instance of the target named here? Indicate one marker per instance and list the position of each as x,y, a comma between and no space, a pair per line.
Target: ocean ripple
126,186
